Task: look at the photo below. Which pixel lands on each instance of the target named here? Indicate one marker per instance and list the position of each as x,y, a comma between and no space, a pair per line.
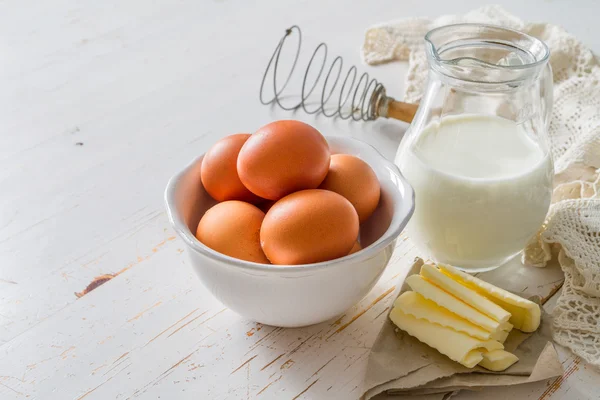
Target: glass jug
477,151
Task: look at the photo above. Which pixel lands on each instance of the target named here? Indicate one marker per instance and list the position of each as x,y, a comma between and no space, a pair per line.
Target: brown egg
283,157
233,228
356,248
219,170
309,226
355,180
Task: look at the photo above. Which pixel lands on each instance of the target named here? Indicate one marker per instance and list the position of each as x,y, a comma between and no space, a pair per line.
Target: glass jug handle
547,94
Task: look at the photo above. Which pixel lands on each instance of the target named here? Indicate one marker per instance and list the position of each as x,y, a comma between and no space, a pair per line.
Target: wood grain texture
100,103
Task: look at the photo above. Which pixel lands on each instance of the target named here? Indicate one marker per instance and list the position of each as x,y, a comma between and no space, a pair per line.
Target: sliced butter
469,296
457,346
500,335
412,303
525,314
498,360
451,303
506,326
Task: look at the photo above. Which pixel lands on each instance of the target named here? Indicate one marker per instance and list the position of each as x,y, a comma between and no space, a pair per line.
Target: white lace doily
572,229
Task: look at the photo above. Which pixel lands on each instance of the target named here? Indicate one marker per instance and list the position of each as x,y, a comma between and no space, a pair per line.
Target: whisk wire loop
358,99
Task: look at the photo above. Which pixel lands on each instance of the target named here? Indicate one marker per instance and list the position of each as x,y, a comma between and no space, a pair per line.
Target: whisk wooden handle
402,111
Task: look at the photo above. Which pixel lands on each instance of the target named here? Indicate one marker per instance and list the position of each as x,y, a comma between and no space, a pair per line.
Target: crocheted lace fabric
572,230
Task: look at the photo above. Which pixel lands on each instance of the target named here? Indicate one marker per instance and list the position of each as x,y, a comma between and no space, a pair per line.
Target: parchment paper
401,365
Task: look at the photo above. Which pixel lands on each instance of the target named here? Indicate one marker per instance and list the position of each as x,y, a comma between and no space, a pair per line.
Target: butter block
525,314
451,303
412,303
498,360
469,296
457,346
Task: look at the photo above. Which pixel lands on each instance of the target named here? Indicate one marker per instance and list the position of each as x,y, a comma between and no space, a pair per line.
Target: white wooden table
102,101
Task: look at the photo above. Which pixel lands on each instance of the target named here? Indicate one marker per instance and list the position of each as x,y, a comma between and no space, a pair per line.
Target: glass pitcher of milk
477,152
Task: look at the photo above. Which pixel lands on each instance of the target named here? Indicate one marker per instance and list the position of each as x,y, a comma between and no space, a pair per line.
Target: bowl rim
393,231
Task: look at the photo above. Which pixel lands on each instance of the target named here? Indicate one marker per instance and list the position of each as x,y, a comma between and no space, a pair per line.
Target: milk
482,189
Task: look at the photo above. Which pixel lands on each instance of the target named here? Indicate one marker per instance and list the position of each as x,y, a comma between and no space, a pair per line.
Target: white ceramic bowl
298,295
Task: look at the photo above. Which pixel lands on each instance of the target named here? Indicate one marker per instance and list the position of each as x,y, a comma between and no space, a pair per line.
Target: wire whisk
329,91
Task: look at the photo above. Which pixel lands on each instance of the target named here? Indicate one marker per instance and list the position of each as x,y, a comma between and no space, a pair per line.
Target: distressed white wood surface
144,87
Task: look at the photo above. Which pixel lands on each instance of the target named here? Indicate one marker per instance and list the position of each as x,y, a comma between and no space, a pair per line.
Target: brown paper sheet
400,365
